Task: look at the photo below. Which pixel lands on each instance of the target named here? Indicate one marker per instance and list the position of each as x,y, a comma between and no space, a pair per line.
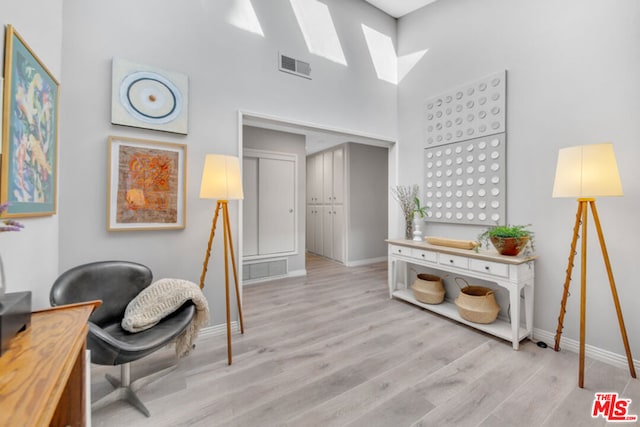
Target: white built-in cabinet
269,215
325,232
314,229
347,191
314,179
333,176
333,232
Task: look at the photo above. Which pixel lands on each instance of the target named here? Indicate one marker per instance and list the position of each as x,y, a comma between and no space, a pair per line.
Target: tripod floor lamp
587,172
222,180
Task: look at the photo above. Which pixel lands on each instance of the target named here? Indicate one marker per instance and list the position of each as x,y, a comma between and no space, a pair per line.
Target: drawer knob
399,251
486,267
422,255
451,261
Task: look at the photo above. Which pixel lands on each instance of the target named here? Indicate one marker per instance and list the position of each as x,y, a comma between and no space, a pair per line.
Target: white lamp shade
221,178
587,171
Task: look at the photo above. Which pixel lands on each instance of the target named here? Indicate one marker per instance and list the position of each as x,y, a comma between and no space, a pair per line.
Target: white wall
573,78
368,187
284,142
229,69
31,256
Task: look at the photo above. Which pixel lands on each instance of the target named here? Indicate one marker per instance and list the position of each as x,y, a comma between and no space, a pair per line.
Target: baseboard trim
294,273
596,353
216,330
367,261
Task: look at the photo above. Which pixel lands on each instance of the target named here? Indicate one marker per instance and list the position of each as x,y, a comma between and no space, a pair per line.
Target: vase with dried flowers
406,195
6,225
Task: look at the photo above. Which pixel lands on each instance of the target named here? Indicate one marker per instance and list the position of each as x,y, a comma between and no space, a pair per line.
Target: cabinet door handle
451,261
486,267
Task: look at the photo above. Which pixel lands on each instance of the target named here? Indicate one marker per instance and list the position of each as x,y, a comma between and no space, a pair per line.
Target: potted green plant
508,239
419,212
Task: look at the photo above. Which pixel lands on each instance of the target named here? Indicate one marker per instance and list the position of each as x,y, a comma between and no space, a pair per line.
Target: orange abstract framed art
147,185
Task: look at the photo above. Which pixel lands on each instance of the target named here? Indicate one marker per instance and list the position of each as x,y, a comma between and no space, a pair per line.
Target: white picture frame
146,185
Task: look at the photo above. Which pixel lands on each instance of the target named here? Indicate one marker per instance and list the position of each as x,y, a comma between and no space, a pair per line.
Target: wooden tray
451,243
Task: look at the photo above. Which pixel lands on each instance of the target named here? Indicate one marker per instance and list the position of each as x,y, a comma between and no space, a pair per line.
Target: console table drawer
489,267
425,255
400,250
457,261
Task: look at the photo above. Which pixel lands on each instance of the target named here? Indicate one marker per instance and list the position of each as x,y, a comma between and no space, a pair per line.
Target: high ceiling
399,8
318,139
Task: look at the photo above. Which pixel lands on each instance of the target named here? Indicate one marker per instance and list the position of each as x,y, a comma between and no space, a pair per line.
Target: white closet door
276,222
337,184
318,237
310,229
249,206
314,179
327,177
327,231
338,233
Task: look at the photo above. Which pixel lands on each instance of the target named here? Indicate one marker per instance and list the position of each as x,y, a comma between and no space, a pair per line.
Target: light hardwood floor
331,349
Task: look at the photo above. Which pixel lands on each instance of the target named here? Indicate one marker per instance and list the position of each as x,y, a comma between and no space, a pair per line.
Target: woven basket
428,289
477,303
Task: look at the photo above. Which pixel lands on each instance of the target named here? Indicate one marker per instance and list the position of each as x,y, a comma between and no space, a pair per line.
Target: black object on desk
15,316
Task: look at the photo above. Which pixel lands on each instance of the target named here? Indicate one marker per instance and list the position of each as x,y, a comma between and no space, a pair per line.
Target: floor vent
294,66
262,270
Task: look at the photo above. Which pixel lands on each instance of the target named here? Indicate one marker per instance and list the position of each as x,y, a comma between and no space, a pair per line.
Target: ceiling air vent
294,66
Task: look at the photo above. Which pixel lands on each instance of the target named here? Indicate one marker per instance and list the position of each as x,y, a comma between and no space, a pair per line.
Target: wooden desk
42,375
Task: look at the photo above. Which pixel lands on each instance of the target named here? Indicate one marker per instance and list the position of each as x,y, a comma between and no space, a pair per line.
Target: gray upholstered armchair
116,283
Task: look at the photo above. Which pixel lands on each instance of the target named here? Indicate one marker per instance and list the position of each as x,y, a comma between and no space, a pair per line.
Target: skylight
318,30
243,16
407,62
388,66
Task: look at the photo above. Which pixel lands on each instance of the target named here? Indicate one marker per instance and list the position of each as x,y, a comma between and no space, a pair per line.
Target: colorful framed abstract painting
147,97
29,132
147,185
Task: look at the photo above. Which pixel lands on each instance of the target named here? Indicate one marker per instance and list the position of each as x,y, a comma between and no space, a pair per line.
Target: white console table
512,273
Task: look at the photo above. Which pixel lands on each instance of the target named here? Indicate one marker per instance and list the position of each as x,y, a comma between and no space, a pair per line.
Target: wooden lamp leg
206,258
228,252
614,292
235,271
226,279
581,218
583,295
567,280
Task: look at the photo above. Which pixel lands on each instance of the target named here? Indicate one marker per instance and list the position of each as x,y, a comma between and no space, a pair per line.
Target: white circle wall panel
478,193
474,110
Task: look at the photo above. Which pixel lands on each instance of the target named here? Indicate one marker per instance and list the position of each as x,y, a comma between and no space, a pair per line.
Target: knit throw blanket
159,300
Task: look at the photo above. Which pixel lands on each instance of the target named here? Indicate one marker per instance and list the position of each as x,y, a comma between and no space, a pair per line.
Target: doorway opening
273,137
